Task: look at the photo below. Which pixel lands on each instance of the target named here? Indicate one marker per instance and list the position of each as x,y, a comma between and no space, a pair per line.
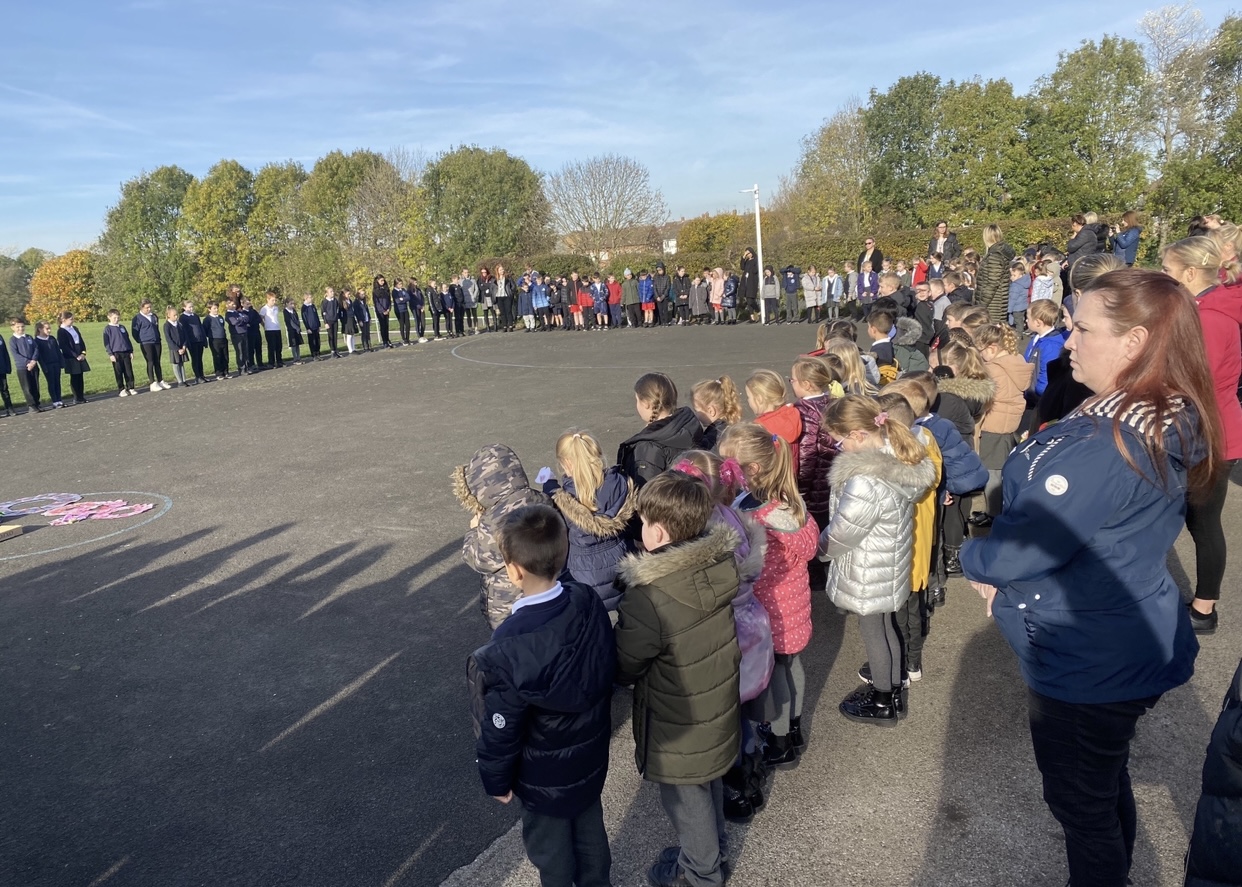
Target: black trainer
1201,623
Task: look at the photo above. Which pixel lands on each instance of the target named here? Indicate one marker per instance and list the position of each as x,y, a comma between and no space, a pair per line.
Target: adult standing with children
992,281
1198,264
944,243
1074,568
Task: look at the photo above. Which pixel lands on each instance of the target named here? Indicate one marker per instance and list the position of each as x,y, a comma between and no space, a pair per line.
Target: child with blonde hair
998,433
717,405
816,384
771,498
881,471
855,379
768,399
598,504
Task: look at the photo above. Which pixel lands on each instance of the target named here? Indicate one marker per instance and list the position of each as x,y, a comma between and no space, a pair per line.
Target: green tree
140,253
281,234
14,289
718,234
32,258
214,221
902,127
826,195
981,153
474,202
1087,126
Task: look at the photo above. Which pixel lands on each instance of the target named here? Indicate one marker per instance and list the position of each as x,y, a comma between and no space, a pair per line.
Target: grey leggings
992,493
782,699
883,644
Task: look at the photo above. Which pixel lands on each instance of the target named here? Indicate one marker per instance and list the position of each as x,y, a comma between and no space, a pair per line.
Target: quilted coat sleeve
639,639
856,515
498,713
480,551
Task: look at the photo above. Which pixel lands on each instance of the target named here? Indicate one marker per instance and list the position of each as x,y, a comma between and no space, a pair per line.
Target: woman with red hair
1074,568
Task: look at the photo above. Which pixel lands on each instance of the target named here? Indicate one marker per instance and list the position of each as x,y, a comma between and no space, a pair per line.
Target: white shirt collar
542,598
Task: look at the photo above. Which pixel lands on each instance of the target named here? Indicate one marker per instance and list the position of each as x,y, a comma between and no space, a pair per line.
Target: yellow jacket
925,516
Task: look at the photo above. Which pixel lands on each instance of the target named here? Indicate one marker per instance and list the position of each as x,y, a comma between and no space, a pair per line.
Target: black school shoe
1200,623
877,708
795,734
670,856
780,752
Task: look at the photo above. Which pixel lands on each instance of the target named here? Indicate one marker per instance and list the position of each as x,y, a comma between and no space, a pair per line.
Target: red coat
1220,312
585,300
614,293
784,586
786,423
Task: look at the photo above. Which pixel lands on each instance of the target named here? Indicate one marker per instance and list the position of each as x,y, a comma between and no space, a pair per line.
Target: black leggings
77,384
955,521
382,320
882,641
1203,522
403,325
152,353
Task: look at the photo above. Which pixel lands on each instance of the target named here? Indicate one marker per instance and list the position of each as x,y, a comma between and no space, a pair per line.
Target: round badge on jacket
1056,485
498,721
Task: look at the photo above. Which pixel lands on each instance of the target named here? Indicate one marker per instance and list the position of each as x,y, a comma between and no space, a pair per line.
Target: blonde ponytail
856,413
721,395
583,459
1001,335
767,465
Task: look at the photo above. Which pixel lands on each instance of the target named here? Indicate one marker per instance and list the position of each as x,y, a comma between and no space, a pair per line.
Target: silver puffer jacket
870,536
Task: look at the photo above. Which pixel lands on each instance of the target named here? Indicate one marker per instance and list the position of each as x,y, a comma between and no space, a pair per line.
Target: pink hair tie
685,466
731,472
880,419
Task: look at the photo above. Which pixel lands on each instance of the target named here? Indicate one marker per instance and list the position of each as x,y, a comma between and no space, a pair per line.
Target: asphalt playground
261,680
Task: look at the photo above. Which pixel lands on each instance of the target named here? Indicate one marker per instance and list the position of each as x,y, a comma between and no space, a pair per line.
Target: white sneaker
916,674
165,385
155,386
422,340
123,393
133,391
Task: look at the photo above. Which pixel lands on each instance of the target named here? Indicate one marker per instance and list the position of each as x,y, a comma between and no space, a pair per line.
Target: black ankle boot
795,734
867,705
935,597
780,752
952,560
737,806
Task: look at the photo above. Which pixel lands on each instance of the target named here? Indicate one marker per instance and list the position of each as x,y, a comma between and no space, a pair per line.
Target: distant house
643,239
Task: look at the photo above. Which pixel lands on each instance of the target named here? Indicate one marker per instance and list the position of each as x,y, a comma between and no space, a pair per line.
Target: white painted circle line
157,515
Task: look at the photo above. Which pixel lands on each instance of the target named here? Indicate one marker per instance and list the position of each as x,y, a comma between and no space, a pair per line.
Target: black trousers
275,347
220,356
505,304
255,339
365,329
403,325
664,310
420,322
77,384
382,321
152,353
5,398
332,337
435,322
312,342
196,359
459,319
29,382
123,370
241,345
53,384
472,317
633,315
1203,522
568,852
1083,754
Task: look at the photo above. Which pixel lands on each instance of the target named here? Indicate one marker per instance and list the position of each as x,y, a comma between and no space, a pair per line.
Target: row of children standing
703,540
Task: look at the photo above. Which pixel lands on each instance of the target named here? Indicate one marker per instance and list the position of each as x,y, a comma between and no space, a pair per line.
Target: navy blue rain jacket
963,469
1077,555
597,539
540,699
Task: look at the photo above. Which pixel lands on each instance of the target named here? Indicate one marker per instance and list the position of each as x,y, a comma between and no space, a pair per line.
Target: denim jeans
1083,753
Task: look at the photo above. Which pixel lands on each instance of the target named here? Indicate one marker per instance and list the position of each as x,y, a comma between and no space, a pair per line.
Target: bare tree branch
602,200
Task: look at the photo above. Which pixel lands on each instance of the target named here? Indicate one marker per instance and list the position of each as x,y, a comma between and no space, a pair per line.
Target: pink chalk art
68,508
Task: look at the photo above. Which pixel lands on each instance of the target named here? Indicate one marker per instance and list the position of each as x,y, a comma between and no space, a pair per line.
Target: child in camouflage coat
491,486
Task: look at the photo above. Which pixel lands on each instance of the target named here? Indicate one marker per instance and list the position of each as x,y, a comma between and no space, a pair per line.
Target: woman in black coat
73,350
748,288
1215,856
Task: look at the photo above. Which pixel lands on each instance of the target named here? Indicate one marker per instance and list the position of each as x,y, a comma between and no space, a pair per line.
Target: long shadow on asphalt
208,717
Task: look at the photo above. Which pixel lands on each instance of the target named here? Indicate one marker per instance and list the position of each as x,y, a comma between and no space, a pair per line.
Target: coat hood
1226,300
909,331
492,473
716,544
682,429
911,480
1001,249
978,390
615,505
753,545
1183,440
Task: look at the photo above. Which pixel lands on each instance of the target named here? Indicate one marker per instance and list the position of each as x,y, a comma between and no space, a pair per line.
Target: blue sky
712,95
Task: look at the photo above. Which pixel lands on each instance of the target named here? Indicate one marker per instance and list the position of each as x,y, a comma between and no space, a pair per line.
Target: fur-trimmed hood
492,474
649,568
980,391
909,331
912,480
617,504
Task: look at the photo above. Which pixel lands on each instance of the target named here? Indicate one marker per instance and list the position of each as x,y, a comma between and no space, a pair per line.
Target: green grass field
100,380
